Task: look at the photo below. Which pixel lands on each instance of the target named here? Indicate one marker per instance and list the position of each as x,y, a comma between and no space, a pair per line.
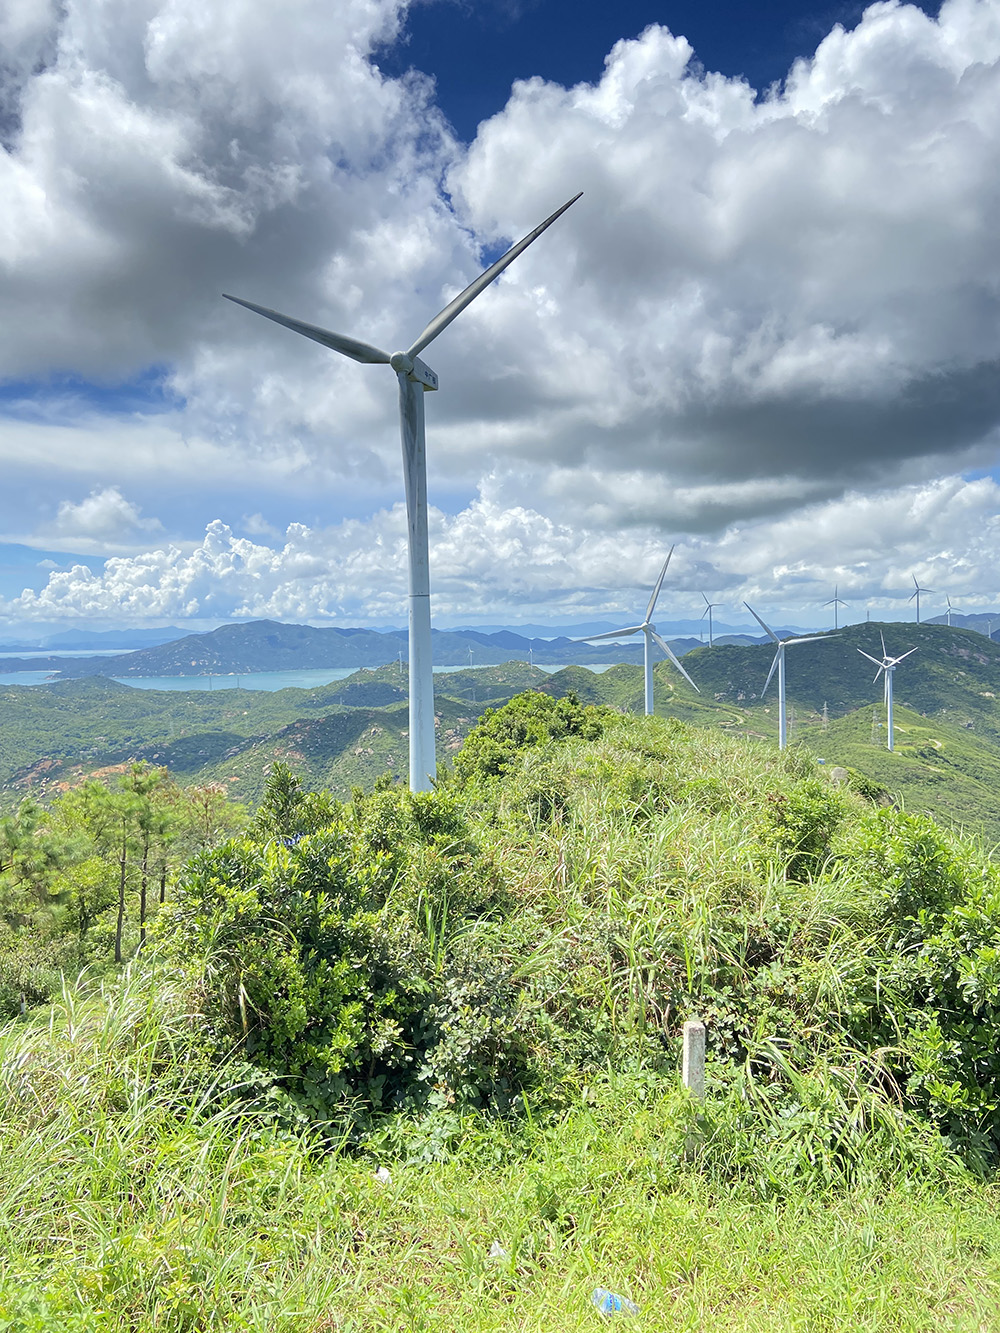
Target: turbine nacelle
414,369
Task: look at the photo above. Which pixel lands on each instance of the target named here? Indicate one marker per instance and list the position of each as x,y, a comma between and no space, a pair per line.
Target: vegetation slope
412,1062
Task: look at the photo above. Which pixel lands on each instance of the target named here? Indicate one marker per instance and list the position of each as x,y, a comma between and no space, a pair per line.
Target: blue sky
475,50
768,332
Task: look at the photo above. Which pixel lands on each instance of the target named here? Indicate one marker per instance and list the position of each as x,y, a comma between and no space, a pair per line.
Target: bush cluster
357,961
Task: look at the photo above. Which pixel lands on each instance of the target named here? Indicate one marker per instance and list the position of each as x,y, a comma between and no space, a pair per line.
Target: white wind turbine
835,601
779,662
948,612
887,665
708,612
648,631
917,590
414,379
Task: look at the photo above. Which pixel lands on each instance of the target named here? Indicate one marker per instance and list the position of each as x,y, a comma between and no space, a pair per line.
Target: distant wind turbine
779,662
948,613
887,665
835,601
648,631
917,590
414,379
708,612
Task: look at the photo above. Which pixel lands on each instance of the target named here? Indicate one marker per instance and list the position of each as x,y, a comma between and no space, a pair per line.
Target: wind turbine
648,631
415,378
888,665
708,612
835,601
948,612
917,590
779,662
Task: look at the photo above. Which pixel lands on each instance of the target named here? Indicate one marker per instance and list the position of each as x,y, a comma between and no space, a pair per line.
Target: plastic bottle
609,1302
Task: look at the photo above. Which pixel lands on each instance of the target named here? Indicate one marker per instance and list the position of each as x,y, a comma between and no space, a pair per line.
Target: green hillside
954,671
54,735
413,1063
348,733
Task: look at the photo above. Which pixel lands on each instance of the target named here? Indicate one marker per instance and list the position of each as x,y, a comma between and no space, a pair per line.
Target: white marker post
693,1070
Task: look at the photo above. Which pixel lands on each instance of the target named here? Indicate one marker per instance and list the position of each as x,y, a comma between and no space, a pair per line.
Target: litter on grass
609,1302
383,1175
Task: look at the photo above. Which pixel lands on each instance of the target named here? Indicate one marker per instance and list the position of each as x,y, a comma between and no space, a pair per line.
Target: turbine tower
887,665
415,378
779,662
648,631
917,590
835,601
708,612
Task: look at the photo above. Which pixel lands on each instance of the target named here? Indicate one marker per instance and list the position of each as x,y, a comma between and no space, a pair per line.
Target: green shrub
532,719
351,962
799,823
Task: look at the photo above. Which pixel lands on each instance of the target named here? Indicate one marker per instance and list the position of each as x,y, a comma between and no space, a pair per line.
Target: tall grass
150,1182
132,1201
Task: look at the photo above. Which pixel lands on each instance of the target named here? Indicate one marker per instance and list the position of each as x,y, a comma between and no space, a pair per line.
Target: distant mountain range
267,645
946,761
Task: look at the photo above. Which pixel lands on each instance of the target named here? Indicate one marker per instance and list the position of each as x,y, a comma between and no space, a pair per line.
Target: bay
258,680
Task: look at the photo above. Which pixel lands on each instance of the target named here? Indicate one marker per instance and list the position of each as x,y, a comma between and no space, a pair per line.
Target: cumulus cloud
805,287
759,303
104,518
490,562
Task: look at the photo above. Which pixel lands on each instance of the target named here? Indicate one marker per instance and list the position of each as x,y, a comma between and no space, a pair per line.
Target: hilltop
413,1062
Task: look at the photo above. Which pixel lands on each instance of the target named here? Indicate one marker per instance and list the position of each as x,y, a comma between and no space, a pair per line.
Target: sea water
258,680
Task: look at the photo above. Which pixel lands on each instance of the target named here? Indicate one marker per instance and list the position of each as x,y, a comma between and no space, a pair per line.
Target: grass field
154,1177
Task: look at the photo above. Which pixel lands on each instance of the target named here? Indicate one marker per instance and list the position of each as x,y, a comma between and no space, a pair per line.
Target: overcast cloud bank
767,330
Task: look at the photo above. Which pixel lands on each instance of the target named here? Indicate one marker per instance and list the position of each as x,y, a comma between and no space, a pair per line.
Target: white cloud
758,305
490,563
257,526
105,518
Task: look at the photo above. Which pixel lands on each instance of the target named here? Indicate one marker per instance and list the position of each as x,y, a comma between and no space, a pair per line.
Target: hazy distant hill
267,645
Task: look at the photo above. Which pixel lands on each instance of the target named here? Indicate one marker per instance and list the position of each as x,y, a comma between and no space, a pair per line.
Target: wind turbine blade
878,673
337,342
897,660
455,307
705,612
673,657
762,625
771,672
915,594
608,634
706,601
811,638
659,585
871,659
884,653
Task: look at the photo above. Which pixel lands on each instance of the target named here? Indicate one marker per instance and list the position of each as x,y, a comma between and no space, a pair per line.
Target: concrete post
693,1070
